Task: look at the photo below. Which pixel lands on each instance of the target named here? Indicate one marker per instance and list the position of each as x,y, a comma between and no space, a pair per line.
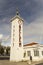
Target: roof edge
17,16
30,44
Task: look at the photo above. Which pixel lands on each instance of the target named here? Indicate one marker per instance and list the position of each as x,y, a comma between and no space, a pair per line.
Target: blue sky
32,13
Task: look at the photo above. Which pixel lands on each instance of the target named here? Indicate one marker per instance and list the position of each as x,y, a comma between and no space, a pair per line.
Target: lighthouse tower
16,52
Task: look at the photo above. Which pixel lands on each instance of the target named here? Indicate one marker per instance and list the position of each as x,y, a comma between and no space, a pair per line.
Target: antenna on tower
17,12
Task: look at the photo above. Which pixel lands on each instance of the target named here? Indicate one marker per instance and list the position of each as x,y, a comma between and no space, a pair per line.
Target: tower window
19,35
20,26
20,44
20,39
13,41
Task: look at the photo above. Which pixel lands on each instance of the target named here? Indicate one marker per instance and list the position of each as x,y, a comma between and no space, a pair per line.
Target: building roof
30,44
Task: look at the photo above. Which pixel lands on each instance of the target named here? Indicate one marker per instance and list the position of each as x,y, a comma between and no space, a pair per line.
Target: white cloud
33,32
5,26
4,30
1,36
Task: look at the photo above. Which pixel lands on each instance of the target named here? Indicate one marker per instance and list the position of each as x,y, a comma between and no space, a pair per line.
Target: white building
33,49
20,52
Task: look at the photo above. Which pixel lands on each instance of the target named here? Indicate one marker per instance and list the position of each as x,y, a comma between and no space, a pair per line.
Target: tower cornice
17,16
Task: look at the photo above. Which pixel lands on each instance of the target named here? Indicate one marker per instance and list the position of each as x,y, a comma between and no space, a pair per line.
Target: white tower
16,53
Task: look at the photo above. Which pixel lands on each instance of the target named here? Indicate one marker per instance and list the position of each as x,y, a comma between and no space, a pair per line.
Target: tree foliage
1,50
8,51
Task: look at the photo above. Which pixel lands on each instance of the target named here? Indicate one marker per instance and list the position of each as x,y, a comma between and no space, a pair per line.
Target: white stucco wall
31,49
16,53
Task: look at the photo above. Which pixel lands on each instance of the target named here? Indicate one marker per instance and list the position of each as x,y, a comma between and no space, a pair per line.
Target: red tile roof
30,44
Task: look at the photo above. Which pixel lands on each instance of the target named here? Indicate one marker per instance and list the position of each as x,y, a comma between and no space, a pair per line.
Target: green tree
8,50
1,50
